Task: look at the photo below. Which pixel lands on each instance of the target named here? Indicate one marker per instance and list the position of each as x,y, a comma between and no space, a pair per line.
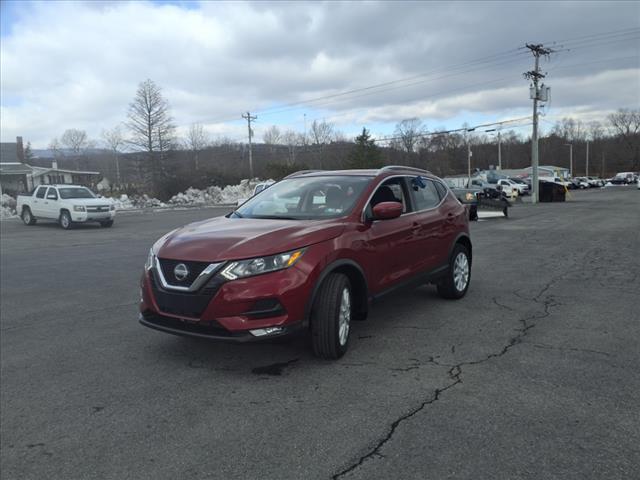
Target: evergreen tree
365,153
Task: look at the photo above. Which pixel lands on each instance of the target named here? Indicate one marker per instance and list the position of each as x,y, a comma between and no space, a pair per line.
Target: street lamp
570,158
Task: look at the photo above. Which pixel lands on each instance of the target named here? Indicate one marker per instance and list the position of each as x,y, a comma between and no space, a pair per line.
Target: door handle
416,226
450,217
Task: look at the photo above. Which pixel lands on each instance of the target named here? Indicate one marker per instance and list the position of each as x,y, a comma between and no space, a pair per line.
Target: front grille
184,304
195,269
104,208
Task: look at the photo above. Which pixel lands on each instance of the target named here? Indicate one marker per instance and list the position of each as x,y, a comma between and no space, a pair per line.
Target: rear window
76,192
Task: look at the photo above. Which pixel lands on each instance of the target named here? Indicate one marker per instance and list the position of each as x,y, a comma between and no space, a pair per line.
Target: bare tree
75,140
56,148
197,140
408,133
272,135
626,124
114,140
321,132
292,140
151,127
570,129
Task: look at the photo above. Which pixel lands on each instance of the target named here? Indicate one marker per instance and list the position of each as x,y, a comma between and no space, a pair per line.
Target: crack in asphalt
455,372
569,349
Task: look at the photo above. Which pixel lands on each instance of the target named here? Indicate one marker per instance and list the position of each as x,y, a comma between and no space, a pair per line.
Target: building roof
39,171
9,152
549,167
14,168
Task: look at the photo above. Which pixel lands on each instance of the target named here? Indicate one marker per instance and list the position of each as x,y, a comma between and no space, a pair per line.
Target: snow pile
124,202
8,208
216,195
192,197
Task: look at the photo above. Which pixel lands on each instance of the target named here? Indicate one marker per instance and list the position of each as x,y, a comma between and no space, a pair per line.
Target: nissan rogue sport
309,254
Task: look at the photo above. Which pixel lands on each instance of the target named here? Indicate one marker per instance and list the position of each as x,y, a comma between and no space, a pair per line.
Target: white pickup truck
67,204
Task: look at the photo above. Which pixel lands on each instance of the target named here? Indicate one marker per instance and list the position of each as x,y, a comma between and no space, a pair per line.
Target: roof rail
402,167
302,172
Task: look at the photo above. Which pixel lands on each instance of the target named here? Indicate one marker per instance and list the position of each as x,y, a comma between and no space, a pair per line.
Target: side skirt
414,281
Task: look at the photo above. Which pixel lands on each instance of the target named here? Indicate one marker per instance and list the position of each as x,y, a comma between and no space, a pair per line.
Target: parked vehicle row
66,204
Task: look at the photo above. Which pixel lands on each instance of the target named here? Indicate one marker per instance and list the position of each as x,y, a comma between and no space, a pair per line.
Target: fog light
261,332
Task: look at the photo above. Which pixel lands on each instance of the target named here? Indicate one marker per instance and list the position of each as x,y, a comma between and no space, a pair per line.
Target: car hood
237,238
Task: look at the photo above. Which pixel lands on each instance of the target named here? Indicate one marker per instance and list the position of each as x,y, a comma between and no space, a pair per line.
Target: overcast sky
77,65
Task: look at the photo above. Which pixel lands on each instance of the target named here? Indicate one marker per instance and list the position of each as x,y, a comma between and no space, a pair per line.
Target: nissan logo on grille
180,272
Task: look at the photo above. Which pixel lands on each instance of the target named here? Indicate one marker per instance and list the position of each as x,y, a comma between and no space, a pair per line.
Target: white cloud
77,65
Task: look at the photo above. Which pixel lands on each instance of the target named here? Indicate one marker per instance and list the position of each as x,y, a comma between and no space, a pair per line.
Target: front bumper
231,310
81,217
211,330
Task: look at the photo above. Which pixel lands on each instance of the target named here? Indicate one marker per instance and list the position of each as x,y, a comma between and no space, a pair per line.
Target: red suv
309,253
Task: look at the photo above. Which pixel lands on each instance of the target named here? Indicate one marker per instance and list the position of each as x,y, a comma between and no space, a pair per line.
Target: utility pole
570,145
586,168
469,164
536,94
499,151
249,119
602,171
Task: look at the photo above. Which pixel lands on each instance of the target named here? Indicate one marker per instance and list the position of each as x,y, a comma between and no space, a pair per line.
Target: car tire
27,216
65,220
106,224
331,317
456,281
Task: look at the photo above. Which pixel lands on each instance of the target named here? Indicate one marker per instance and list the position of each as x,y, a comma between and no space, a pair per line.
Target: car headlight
79,208
256,266
151,257
469,196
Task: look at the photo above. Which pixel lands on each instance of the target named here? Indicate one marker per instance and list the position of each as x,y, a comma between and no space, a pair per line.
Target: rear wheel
27,216
331,317
65,220
456,282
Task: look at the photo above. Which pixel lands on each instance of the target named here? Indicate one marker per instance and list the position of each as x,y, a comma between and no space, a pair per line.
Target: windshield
306,198
76,192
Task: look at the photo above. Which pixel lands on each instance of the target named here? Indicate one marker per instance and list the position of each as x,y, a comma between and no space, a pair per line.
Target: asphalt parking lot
534,374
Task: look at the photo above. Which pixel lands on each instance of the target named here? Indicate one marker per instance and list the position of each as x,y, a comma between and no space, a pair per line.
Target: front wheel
27,216
331,317
456,281
65,220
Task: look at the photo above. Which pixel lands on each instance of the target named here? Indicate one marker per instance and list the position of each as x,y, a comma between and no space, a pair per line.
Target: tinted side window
442,190
425,197
391,190
41,191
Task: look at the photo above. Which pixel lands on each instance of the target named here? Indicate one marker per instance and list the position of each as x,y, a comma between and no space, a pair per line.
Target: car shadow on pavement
275,357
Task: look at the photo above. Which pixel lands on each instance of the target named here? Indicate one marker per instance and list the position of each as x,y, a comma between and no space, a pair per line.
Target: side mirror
387,210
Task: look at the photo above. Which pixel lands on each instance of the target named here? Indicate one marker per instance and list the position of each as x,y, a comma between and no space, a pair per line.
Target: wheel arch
465,240
357,279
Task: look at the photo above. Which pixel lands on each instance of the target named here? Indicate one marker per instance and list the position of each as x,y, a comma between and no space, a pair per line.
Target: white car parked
67,204
508,187
522,188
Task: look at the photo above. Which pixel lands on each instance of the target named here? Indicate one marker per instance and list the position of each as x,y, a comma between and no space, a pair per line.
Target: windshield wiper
235,212
274,217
